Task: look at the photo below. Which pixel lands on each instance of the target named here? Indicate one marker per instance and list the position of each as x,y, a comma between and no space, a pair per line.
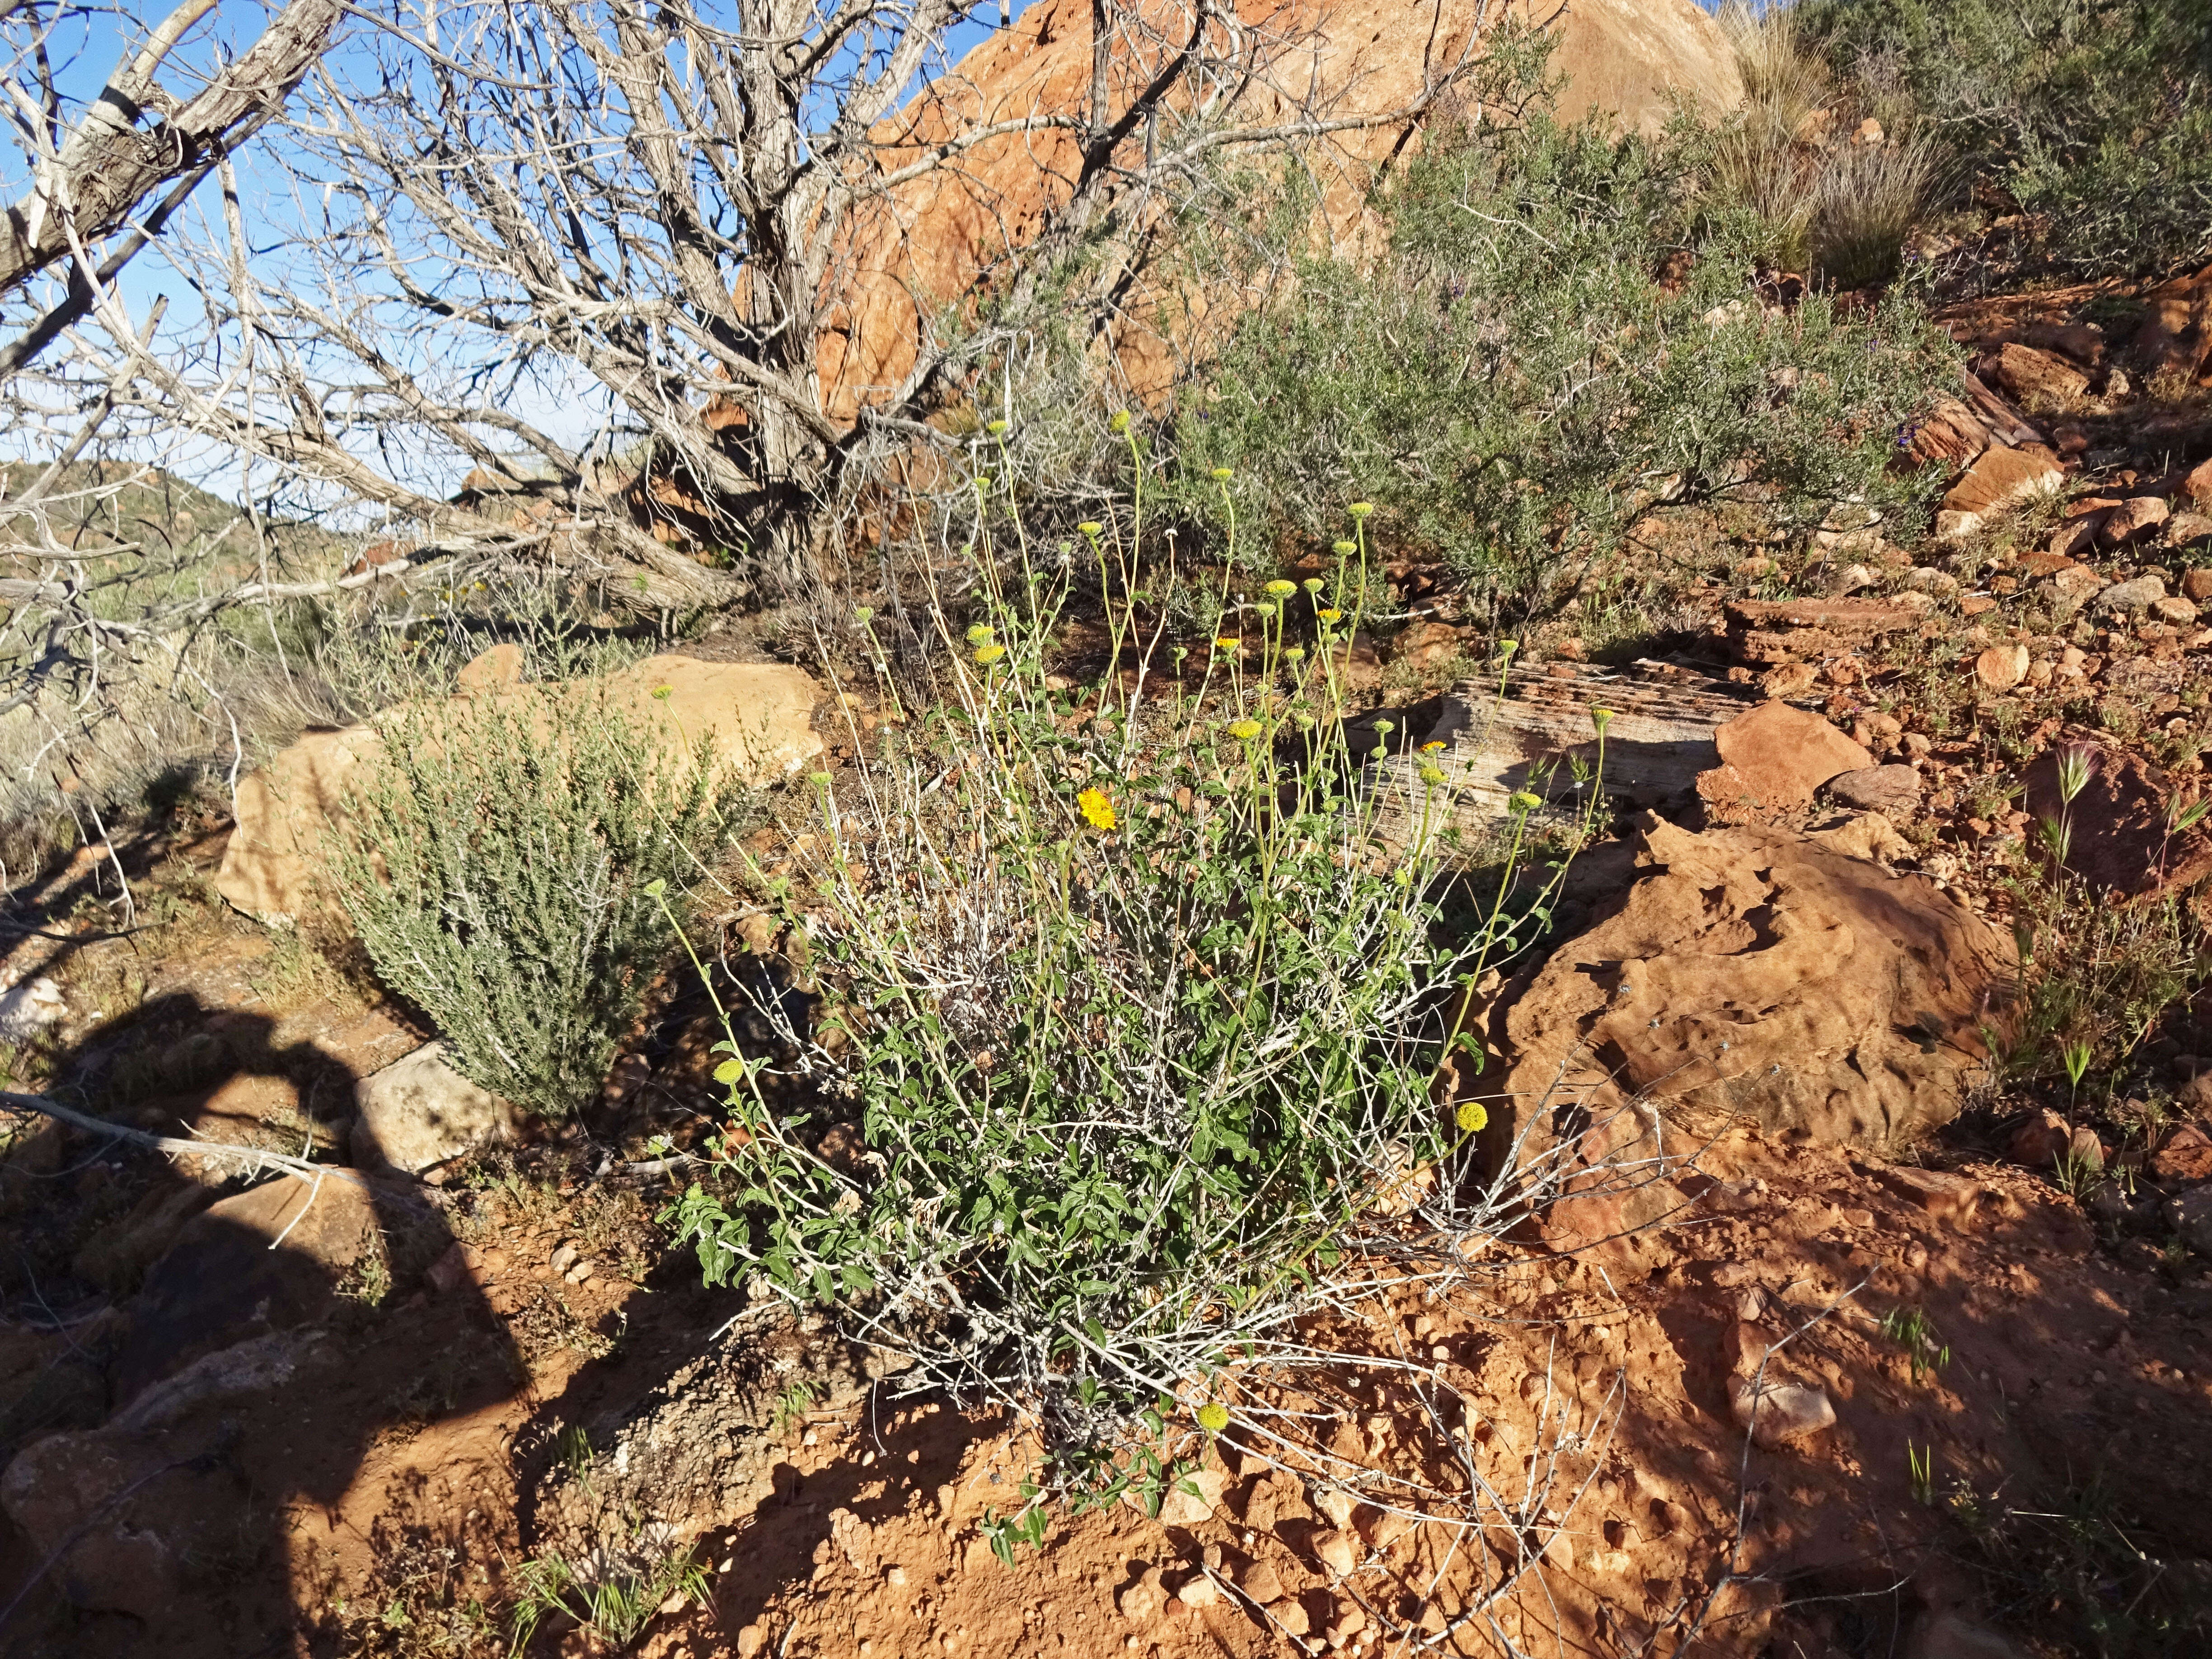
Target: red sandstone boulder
1632,59
2120,829
1750,973
1772,759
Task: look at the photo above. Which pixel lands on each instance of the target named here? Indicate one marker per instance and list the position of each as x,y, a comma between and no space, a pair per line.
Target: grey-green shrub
1562,336
494,864
1129,1024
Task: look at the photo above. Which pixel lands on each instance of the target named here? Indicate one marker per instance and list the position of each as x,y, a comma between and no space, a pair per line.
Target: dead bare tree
99,163
543,293
657,276
103,180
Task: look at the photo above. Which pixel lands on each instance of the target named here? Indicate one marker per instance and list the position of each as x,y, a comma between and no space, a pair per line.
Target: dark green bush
1563,336
2094,116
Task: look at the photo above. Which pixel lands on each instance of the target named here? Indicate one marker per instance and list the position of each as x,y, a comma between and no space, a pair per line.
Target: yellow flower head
1361,509
729,1071
1121,421
1282,590
981,633
1213,1417
1343,549
1227,642
1522,801
1432,774
1433,747
1097,807
1223,474
990,653
662,693
1600,718
1330,615
864,614
1091,527
995,428
1246,730
1314,584
1472,1116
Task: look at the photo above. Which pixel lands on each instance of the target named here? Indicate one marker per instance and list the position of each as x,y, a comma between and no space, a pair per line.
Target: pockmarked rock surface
707,1444
1756,973
759,717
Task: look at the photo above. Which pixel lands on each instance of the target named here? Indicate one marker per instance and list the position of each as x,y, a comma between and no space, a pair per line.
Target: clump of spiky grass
1834,207
1868,199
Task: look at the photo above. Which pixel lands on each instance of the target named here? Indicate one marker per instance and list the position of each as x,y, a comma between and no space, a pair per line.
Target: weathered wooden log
2006,423
1541,738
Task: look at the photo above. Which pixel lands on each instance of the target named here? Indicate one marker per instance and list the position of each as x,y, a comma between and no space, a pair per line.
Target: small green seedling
1909,1328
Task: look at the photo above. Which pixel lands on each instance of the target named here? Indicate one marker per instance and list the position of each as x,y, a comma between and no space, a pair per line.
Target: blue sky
89,47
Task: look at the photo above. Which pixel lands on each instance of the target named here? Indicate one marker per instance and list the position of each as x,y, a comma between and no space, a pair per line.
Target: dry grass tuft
1828,204
1868,199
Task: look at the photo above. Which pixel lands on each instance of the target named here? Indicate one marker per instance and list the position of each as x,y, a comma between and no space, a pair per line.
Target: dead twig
252,1160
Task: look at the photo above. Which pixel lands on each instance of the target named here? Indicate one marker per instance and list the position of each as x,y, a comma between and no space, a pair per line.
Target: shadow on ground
191,1358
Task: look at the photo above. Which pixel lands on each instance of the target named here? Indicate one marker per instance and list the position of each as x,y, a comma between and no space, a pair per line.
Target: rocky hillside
1786,1235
